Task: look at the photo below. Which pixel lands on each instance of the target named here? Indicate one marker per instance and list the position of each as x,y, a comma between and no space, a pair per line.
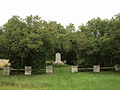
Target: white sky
62,11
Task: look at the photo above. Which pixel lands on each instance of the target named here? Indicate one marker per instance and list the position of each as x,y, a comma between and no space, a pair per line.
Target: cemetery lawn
62,79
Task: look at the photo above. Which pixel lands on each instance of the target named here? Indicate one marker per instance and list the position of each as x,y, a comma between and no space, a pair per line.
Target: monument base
58,63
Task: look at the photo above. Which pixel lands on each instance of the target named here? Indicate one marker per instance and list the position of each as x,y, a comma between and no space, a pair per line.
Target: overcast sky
62,11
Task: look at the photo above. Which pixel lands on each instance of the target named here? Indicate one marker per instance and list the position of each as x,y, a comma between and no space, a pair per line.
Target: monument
58,59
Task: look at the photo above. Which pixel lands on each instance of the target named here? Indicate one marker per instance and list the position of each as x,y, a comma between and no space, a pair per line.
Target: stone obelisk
58,59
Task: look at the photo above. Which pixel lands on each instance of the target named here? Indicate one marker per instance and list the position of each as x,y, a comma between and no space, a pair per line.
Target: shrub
84,63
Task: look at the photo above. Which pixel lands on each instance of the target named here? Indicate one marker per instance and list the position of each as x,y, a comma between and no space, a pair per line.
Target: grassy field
62,79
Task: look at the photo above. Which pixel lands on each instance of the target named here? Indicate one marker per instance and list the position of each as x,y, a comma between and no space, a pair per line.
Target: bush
84,63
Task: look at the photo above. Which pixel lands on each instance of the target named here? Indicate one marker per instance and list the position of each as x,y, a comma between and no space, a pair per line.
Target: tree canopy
32,41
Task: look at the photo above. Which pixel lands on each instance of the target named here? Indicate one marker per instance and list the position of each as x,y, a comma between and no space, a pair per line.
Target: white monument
58,59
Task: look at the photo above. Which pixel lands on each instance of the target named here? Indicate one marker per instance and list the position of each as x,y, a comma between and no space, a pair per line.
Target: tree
23,42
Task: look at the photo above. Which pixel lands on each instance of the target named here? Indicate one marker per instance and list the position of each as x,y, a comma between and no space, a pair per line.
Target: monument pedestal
58,59
58,63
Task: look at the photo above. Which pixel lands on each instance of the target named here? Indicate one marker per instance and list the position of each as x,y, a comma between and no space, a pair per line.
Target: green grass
62,79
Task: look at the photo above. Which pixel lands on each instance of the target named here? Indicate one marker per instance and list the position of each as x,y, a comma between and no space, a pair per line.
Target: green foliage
22,42
84,63
32,41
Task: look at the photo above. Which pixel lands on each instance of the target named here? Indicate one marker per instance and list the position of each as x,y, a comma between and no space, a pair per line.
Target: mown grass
62,79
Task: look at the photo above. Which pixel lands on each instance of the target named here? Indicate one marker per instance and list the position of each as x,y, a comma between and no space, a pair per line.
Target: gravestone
117,67
28,70
58,59
49,69
6,71
96,68
74,69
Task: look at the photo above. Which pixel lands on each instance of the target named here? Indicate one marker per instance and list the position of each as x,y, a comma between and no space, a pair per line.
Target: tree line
32,41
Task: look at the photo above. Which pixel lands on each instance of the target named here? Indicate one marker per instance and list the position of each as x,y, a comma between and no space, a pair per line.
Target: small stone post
49,69
6,71
28,70
74,69
96,68
117,67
